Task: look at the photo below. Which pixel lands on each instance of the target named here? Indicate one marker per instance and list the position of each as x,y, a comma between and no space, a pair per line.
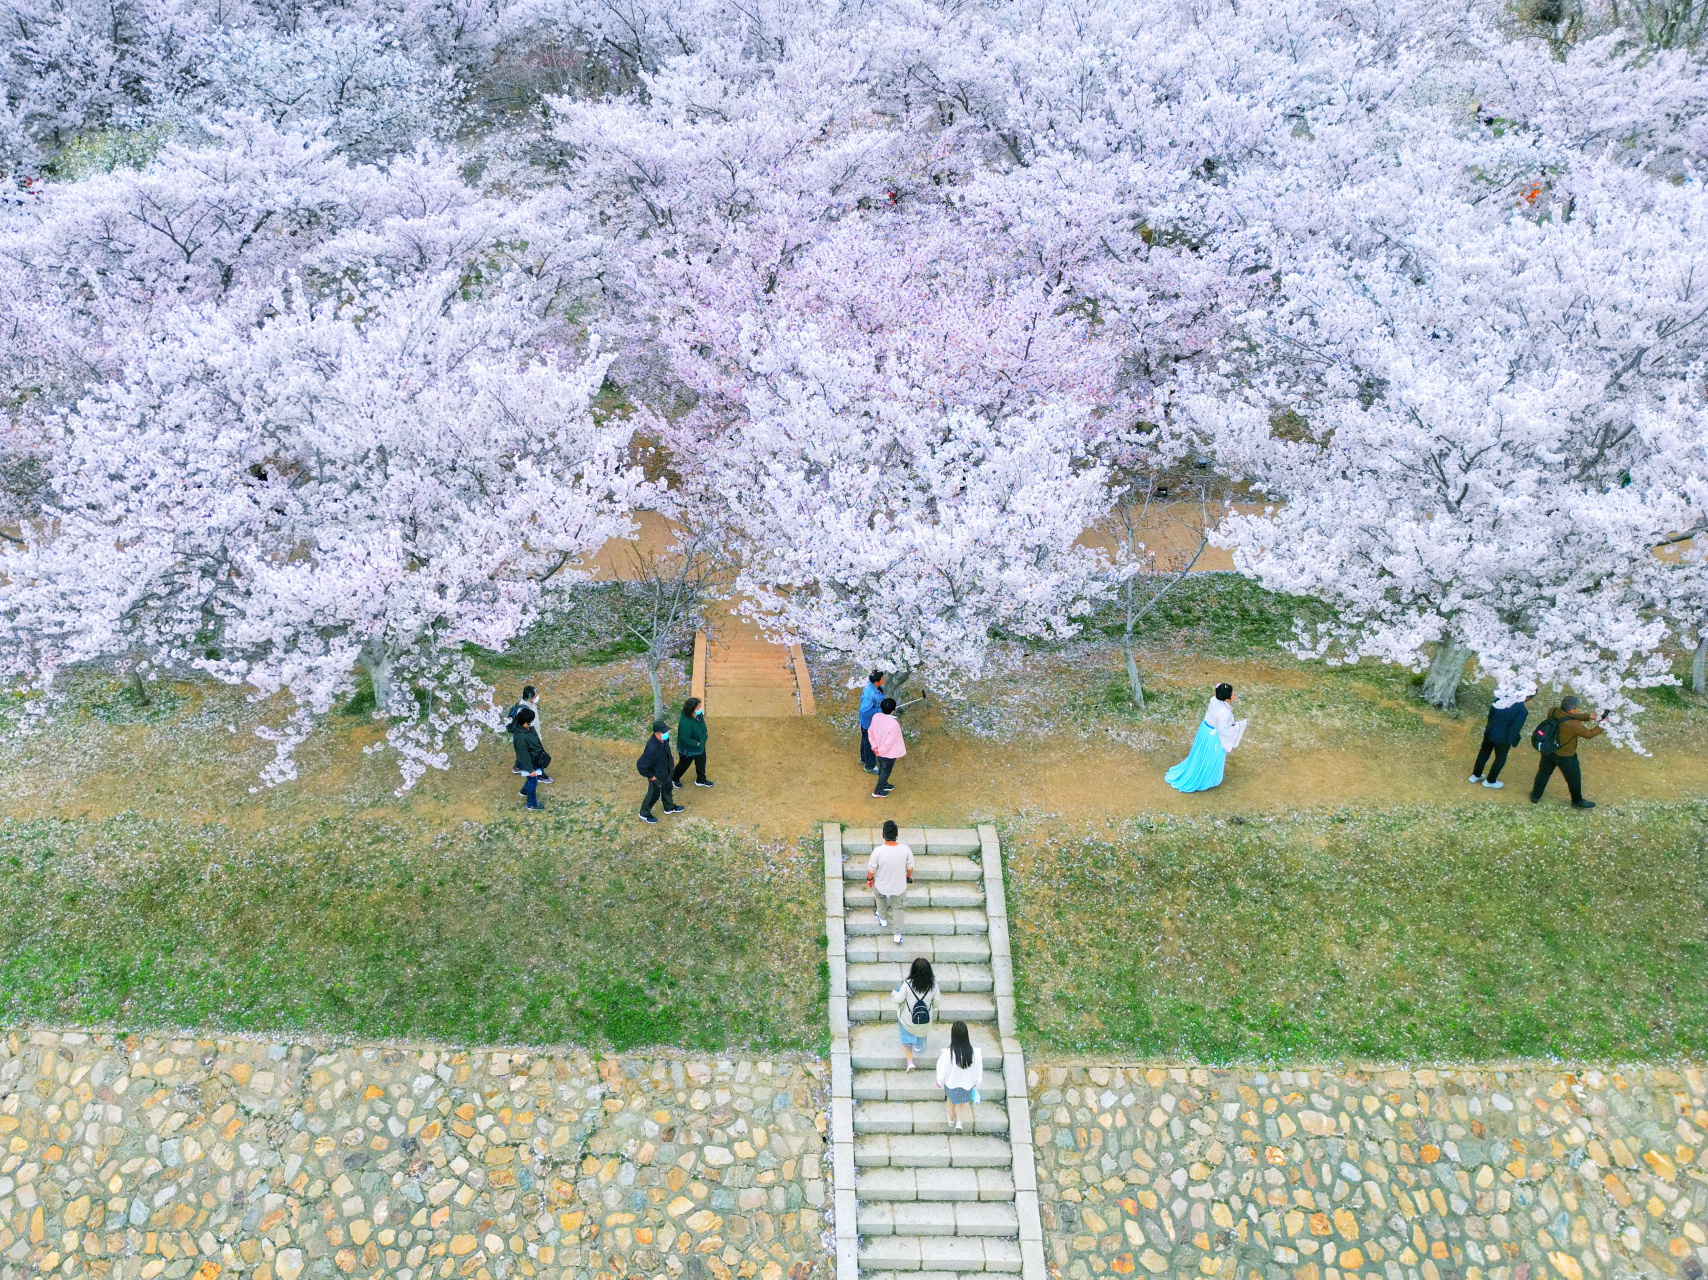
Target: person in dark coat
691,743
531,757
655,765
1504,731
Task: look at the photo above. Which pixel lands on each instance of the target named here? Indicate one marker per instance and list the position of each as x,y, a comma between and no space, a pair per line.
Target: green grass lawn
1416,934
567,927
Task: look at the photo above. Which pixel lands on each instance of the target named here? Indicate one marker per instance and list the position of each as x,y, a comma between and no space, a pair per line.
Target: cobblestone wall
173,1158
1400,1175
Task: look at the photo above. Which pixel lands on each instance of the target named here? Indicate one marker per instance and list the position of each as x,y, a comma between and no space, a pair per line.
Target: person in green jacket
691,743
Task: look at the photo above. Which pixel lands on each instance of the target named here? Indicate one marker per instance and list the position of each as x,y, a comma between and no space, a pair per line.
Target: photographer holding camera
1557,738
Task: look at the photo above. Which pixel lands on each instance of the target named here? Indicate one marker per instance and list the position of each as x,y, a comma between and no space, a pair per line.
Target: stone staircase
914,1200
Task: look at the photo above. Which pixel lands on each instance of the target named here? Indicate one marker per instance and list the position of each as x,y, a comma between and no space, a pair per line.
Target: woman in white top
1217,735
959,1070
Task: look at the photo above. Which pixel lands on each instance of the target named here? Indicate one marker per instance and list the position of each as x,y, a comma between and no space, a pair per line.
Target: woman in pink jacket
885,737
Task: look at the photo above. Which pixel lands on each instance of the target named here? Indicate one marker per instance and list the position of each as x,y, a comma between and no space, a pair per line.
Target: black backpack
921,1011
510,718
1546,736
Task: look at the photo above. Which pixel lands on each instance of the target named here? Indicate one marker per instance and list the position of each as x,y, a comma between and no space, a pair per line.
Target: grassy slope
542,929
1400,934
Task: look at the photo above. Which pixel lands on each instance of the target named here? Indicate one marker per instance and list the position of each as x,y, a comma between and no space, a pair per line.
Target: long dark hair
960,1046
920,977
690,706
1224,691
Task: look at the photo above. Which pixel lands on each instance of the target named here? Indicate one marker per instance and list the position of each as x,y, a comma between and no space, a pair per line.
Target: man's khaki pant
890,907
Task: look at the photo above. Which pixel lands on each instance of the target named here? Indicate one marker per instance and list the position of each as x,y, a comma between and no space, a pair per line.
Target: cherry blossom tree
284,506
902,534
1500,419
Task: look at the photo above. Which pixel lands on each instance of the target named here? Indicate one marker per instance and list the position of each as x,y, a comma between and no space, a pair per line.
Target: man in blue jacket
871,698
1504,731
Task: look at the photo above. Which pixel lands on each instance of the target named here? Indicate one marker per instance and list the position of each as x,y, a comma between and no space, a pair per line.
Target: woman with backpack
960,1068
916,1007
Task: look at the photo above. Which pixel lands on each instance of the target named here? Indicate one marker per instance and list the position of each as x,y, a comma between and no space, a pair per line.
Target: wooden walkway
741,673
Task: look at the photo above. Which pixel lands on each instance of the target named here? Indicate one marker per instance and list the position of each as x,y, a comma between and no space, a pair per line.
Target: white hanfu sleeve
1220,717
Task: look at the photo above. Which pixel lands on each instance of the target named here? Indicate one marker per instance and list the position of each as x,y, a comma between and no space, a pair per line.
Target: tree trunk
1699,667
379,674
652,665
144,700
1441,684
1138,690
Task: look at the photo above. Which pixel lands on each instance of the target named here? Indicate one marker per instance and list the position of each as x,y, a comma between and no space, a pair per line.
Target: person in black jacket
1504,731
531,757
656,766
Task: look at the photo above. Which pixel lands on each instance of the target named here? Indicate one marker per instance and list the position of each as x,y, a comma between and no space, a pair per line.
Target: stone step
950,977
938,1218
877,1047
935,840
931,1151
939,1253
926,1116
952,1006
935,1184
923,922
954,893
926,867
919,1085
955,948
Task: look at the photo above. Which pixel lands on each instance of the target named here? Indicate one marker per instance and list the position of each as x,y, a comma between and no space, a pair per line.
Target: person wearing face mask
691,743
655,766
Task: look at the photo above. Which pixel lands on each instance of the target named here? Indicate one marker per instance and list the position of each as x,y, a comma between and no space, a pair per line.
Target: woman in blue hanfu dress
1219,734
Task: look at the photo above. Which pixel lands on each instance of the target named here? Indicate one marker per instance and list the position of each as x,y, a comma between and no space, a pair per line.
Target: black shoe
533,806
705,782
1535,799
676,808
516,771
521,793
545,781
647,817
1583,804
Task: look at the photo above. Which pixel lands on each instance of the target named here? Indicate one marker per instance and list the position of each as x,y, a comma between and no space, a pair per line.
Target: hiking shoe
647,817
707,782
1475,777
1583,804
1494,786
676,808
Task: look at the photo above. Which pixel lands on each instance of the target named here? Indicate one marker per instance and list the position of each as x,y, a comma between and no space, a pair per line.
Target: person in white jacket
959,1070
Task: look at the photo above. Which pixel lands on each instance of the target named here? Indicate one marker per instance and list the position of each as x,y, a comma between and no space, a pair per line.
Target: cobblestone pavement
1403,1175
158,1157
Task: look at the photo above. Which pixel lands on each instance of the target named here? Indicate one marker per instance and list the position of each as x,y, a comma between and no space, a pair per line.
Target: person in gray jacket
1505,730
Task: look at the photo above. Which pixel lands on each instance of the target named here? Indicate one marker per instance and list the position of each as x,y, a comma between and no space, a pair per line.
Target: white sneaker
1475,777
880,919
898,937
1494,786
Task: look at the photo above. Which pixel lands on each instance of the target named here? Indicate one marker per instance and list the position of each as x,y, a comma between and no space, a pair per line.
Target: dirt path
782,775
